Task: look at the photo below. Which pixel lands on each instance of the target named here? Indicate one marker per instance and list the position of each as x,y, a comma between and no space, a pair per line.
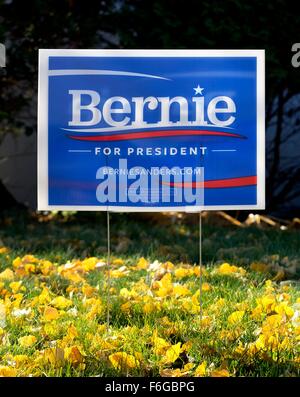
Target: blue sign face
138,130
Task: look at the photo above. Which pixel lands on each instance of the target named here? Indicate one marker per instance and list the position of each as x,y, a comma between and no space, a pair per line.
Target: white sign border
44,55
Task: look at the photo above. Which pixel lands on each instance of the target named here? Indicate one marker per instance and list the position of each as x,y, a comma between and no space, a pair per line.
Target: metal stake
200,264
108,271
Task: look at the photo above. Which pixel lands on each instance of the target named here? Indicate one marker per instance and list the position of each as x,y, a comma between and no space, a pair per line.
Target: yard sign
151,130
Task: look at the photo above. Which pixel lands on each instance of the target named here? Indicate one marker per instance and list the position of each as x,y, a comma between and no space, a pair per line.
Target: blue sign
151,130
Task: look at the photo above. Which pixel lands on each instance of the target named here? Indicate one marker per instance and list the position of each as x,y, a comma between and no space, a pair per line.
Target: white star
198,90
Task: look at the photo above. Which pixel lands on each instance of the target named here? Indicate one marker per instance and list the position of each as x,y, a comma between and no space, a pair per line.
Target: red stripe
230,182
152,134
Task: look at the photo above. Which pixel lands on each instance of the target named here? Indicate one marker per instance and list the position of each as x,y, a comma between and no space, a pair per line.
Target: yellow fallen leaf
196,271
188,367
89,264
72,332
122,271
88,290
15,286
118,262
27,341
206,287
6,371
182,272
95,307
236,317
142,264
74,355
30,259
30,268
102,344
7,274
186,347
160,345
227,269
73,276
46,267
205,321
201,369
283,308
50,313
172,353
164,286
17,262
149,307
127,294
181,290
123,361
220,373
60,302
271,323
54,356
44,297
126,307
20,360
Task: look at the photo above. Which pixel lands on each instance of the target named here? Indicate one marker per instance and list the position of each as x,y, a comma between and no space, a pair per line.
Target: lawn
55,288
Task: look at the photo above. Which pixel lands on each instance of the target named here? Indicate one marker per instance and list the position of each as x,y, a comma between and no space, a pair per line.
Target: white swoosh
78,72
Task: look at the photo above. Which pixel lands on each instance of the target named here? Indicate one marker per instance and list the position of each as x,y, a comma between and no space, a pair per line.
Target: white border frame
44,55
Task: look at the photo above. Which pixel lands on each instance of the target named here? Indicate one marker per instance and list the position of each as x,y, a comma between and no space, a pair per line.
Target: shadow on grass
133,235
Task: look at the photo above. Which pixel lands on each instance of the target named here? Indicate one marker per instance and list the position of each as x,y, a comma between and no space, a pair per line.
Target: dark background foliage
26,26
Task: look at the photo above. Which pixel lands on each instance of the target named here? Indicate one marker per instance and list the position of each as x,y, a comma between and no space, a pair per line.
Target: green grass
67,238
132,236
